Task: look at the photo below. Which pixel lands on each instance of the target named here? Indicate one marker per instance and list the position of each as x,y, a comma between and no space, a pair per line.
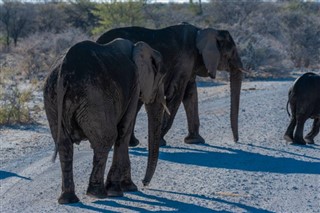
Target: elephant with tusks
187,52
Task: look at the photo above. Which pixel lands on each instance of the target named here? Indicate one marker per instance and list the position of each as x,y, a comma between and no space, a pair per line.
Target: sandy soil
261,173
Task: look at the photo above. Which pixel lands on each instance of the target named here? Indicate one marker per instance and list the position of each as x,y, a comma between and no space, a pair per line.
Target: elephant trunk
235,86
155,114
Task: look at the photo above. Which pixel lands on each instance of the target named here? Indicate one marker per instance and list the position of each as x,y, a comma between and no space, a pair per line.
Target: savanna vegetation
274,38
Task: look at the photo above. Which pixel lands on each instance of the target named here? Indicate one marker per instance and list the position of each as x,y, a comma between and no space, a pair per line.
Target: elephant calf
304,100
93,95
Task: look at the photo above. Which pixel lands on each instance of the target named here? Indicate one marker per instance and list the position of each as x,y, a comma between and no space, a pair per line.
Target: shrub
40,50
14,107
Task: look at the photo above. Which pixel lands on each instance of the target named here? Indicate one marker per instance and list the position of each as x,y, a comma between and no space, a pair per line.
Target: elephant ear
148,62
207,44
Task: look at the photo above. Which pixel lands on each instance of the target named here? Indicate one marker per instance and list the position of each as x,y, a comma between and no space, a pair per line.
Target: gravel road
261,173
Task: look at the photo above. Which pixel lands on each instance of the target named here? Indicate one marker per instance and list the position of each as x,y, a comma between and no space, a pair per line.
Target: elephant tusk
166,108
244,71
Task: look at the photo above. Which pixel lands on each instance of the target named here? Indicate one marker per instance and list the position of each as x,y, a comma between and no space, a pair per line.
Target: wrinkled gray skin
93,95
304,101
188,51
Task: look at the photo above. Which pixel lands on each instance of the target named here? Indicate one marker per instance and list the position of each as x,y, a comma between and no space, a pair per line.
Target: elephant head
219,52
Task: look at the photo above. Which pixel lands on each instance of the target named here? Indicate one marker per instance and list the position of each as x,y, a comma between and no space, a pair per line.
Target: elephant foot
68,197
163,142
128,186
133,141
194,139
114,190
298,142
309,140
288,138
97,191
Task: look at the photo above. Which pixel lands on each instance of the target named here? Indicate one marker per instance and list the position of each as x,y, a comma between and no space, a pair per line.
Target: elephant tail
54,157
289,98
61,91
288,109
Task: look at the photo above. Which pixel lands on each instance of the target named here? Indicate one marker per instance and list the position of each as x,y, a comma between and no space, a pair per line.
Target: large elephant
93,94
304,100
188,51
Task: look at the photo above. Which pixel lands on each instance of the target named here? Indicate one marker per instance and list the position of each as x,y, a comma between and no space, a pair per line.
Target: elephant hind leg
314,132
288,136
298,136
65,150
96,186
119,177
101,142
100,129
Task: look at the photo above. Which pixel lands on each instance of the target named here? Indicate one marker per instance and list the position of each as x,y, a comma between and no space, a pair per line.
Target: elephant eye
154,64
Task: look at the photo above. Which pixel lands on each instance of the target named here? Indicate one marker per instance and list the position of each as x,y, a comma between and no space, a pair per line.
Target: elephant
93,95
304,100
187,52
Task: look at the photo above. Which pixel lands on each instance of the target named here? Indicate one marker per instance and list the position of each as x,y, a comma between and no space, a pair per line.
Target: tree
117,13
51,17
13,16
196,7
80,14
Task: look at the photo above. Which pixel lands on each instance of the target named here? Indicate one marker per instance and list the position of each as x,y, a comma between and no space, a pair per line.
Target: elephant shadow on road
140,201
5,174
231,158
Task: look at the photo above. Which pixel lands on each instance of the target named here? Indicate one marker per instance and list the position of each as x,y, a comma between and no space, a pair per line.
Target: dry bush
278,35
41,50
27,65
14,108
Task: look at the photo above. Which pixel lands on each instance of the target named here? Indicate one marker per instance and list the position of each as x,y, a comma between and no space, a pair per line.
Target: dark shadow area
239,205
287,152
288,78
307,146
36,127
4,175
236,159
158,201
209,84
315,145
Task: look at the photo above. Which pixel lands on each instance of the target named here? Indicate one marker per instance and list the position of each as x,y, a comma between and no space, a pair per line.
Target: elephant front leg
167,121
65,150
314,132
96,186
174,97
190,103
